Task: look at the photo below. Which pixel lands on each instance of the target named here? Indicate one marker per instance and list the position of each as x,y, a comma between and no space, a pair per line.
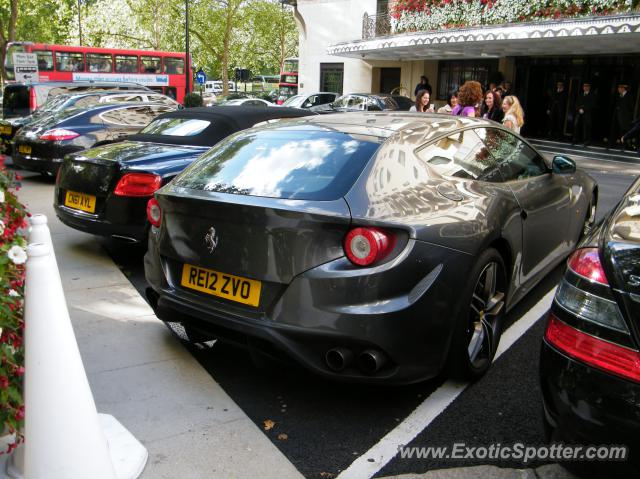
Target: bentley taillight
137,184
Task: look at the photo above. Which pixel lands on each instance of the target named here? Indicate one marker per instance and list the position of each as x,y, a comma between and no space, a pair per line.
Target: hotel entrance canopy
605,35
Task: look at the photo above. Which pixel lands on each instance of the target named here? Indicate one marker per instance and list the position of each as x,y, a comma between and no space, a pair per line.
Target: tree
8,22
216,23
47,21
274,35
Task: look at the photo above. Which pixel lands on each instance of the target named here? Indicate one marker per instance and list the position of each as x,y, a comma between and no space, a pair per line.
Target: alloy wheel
487,304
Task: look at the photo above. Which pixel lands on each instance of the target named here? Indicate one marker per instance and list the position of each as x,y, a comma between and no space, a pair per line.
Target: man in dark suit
423,85
556,111
583,118
622,115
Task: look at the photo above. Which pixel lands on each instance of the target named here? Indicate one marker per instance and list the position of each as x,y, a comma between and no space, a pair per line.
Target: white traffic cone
63,435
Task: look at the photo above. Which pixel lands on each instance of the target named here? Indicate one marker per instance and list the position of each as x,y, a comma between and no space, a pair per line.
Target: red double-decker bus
160,71
288,85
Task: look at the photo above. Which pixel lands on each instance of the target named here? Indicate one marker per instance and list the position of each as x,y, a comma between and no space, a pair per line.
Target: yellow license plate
228,286
5,130
80,201
24,149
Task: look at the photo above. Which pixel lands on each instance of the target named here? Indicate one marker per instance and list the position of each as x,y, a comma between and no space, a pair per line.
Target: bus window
150,64
45,61
99,62
126,63
171,92
173,65
69,62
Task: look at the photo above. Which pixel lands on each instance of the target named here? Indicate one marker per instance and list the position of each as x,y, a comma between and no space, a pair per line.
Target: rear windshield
288,164
15,102
176,127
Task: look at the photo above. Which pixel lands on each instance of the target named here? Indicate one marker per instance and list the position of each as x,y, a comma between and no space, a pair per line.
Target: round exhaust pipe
338,358
371,361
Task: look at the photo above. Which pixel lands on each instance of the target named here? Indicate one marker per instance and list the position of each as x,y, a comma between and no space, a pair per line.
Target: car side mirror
563,165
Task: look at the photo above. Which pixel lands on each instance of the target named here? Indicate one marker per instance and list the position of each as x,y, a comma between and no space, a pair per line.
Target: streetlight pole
187,69
79,22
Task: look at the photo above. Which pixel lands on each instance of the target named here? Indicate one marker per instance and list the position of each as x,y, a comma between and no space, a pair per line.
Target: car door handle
523,215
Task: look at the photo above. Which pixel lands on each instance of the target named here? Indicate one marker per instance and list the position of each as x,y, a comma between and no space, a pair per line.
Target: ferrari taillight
154,212
367,246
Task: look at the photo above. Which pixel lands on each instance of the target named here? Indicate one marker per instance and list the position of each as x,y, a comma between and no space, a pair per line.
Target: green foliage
192,100
260,32
253,34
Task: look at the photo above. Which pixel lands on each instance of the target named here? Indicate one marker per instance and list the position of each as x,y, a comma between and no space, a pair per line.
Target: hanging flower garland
429,15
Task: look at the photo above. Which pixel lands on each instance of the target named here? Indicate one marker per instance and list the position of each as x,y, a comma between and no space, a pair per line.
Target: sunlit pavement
142,375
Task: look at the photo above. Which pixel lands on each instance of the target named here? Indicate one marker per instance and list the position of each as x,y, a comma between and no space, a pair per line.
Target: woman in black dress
491,107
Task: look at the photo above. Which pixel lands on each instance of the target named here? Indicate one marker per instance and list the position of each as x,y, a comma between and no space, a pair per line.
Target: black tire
478,326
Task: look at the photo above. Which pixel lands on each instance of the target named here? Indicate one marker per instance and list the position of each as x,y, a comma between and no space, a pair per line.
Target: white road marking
367,465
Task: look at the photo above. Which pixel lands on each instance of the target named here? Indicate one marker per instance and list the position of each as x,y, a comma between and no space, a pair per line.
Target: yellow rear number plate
5,130
80,201
24,149
227,286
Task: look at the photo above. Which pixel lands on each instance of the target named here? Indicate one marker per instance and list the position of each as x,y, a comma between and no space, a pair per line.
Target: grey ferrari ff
374,247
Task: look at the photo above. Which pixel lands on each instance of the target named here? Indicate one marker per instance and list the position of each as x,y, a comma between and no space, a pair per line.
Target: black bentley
342,240
104,190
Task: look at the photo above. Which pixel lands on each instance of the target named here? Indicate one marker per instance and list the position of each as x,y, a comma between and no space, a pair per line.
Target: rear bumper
583,405
44,158
36,163
88,223
327,307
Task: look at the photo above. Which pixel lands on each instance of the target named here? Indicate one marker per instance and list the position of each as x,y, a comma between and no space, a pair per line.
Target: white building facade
360,46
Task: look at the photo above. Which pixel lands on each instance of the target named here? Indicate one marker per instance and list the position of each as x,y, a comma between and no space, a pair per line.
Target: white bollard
39,231
63,435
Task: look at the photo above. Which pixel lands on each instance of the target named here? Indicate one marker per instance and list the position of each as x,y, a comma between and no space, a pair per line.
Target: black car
590,357
21,101
404,103
359,102
105,190
341,240
42,144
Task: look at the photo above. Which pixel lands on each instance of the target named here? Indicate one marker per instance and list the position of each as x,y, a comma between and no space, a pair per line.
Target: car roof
224,121
108,93
386,124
